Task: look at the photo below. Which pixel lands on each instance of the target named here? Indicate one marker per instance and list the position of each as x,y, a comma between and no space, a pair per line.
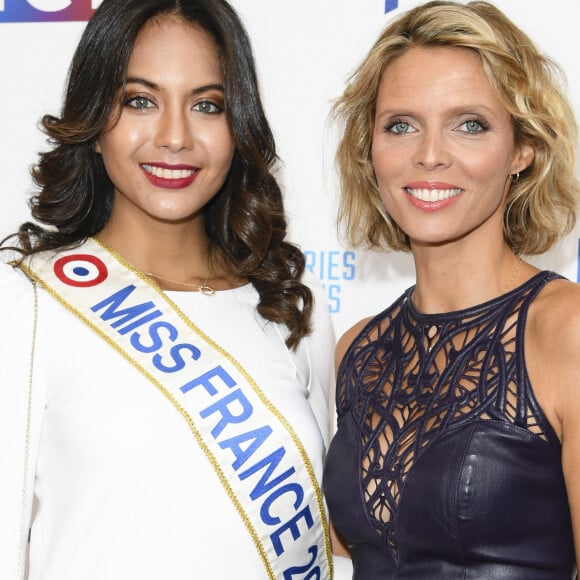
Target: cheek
130,137
387,156
481,167
221,146
379,170
484,163
122,139
388,165
376,158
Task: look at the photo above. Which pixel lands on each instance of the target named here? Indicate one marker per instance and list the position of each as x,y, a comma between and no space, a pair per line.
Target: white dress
105,471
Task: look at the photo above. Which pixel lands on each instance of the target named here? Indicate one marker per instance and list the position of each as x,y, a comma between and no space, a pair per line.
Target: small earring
515,177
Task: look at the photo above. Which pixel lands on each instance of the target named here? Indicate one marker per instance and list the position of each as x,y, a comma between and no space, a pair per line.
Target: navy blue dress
444,465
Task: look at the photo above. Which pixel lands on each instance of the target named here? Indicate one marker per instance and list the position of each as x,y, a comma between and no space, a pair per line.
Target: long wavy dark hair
245,221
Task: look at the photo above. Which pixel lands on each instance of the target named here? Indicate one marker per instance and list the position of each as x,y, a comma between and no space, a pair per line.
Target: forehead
169,42
436,75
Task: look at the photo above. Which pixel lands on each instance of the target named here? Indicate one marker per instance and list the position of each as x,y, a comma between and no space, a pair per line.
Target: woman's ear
522,159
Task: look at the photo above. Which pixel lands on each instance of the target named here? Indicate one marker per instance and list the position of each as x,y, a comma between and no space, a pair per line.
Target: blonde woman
457,453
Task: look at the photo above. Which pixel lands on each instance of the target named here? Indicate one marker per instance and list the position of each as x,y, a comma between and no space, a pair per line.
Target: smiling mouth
165,173
432,194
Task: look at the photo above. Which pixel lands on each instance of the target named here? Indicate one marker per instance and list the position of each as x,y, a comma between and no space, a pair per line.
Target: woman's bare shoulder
347,339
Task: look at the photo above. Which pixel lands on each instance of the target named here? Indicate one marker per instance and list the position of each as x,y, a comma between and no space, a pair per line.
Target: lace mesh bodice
409,378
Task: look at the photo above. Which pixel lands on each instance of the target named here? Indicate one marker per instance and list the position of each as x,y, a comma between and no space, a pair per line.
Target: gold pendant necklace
203,288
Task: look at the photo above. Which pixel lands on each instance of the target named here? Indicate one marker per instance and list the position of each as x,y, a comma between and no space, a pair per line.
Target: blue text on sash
151,334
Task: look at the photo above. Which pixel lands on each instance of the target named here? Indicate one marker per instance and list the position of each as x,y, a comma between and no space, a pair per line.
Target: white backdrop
305,49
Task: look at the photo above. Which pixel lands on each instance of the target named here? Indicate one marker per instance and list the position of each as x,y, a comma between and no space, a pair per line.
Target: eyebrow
154,86
470,108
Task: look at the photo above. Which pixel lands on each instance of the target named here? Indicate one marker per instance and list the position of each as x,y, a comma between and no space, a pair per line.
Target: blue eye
473,126
399,128
207,107
141,103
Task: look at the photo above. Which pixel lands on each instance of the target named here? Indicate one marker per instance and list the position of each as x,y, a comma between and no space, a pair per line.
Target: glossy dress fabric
443,464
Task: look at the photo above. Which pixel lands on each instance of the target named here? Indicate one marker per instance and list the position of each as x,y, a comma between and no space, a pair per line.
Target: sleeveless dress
443,464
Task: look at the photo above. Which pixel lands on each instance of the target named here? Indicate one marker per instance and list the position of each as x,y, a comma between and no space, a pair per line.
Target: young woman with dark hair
166,360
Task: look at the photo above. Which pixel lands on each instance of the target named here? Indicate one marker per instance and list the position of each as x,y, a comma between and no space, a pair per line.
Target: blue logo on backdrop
391,5
47,10
333,268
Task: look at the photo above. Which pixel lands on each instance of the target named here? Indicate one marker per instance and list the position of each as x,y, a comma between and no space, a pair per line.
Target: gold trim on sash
34,265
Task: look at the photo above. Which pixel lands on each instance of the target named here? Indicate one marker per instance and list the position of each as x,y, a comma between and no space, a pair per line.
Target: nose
432,151
174,130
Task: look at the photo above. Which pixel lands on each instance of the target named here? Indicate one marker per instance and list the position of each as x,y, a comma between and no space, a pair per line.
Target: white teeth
164,173
433,194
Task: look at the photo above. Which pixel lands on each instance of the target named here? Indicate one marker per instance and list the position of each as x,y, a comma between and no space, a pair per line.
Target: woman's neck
454,280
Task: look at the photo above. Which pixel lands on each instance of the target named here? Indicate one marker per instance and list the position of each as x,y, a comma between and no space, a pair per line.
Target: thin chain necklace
203,288
515,273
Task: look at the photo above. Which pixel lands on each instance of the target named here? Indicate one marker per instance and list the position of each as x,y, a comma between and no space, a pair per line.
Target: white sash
256,454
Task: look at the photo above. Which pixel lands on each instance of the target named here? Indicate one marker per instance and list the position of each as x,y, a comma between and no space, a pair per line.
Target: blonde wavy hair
541,205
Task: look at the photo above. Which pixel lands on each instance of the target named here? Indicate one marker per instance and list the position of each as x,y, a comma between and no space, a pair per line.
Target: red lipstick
170,176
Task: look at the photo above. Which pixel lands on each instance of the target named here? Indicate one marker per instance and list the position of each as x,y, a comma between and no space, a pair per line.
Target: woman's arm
20,418
320,345
553,363
339,547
